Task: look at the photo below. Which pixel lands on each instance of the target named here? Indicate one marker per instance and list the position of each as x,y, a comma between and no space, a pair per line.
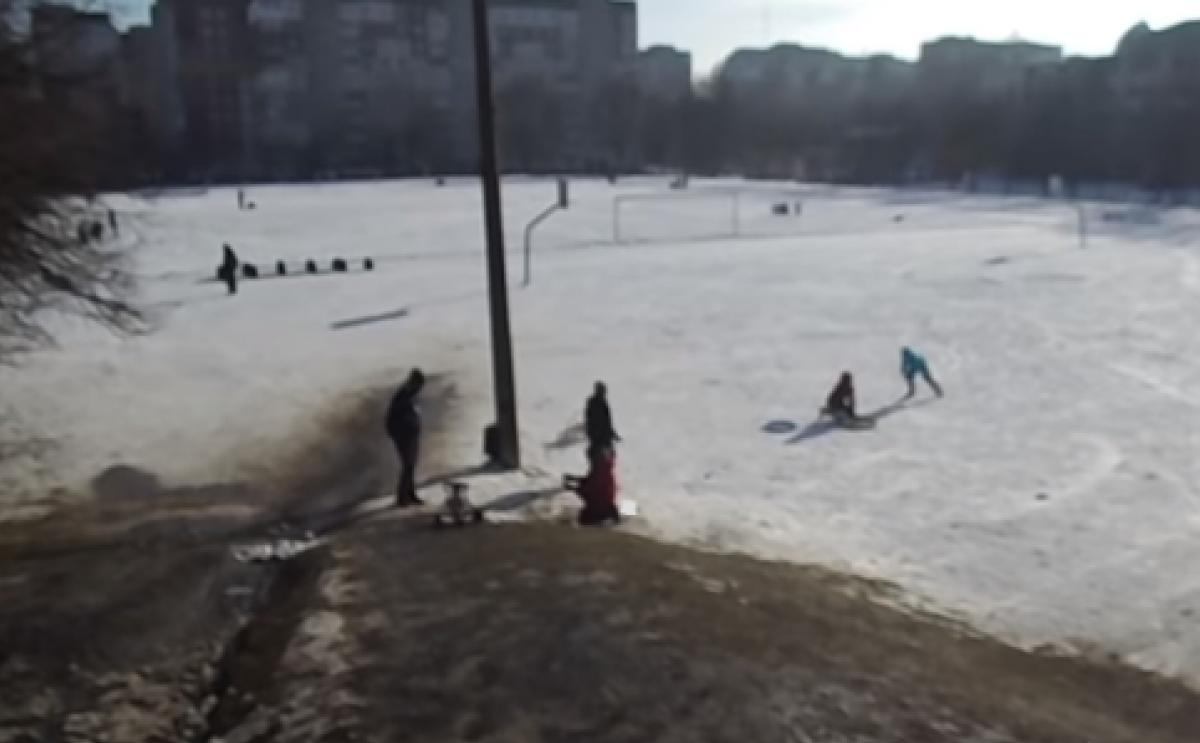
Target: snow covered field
1053,495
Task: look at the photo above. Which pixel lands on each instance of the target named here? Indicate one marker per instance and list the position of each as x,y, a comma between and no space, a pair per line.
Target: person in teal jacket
913,365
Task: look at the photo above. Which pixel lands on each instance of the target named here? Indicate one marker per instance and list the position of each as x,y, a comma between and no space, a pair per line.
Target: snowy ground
1051,496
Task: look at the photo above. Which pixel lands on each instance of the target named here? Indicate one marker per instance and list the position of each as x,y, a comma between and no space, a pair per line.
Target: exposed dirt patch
551,633
127,619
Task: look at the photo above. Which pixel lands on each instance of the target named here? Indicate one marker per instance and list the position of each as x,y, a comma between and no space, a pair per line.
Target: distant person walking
403,426
597,419
913,365
228,272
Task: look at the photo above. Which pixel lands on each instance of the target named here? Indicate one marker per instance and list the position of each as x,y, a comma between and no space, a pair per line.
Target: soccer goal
667,217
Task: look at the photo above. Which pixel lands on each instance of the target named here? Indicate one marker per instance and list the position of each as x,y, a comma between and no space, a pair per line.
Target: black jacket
598,422
842,397
403,422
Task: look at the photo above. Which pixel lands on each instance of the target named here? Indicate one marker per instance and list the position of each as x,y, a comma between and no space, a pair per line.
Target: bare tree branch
56,249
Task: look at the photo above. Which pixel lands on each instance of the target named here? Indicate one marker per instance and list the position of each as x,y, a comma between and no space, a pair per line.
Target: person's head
416,381
847,379
906,353
601,389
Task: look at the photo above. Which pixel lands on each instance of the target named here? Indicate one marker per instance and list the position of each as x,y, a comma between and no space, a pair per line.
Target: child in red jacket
598,489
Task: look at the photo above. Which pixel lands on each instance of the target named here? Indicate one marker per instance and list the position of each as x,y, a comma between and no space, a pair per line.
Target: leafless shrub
52,160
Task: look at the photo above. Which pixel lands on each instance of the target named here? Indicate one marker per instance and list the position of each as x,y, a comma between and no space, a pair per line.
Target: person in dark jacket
228,272
597,419
403,425
840,404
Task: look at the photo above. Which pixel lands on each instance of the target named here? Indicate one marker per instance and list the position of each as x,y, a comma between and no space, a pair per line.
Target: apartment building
277,88
790,72
1147,63
952,66
664,73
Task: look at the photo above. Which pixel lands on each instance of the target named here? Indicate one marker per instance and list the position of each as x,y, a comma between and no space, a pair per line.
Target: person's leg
912,385
403,474
406,494
408,479
593,514
588,516
933,385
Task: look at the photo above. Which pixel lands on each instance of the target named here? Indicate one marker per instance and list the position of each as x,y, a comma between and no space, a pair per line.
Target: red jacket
600,485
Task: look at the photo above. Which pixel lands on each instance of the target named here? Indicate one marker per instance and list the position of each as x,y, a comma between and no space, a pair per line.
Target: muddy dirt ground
125,622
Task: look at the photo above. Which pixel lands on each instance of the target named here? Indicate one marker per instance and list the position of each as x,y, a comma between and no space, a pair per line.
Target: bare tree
53,258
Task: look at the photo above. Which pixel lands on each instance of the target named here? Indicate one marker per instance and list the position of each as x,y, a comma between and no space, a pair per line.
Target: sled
457,511
859,423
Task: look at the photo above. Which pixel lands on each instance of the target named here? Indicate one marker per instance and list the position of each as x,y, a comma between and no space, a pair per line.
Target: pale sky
710,29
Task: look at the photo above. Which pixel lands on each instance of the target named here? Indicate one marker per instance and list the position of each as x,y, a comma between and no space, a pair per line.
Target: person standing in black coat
403,425
228,272
597,418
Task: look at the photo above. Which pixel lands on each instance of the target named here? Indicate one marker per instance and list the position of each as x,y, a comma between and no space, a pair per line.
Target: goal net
670,217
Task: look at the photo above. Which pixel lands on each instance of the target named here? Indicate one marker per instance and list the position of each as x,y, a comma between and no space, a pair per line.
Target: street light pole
503,376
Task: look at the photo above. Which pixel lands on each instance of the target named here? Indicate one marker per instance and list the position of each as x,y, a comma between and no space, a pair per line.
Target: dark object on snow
251,206
491,443
840,403
112,222
597,489
310,266
339,265
597,419
368,265
781,210
403,426
280,268
441,182
458,509
228,272
898,218
97,231
249,270
798,208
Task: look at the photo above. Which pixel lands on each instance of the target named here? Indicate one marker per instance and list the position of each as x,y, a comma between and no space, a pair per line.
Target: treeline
1081,121
1078,122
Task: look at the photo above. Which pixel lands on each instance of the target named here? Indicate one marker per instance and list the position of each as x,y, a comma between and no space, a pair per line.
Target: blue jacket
912,364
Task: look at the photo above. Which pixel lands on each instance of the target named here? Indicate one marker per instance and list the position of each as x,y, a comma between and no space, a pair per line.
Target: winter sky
712,28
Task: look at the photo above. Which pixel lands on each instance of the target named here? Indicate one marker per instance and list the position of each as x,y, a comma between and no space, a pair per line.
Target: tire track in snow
1154,383
1107,459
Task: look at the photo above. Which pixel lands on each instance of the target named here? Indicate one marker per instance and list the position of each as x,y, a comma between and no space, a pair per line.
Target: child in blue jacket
913,365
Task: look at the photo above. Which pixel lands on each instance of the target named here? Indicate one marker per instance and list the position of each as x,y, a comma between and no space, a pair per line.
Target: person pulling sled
913,365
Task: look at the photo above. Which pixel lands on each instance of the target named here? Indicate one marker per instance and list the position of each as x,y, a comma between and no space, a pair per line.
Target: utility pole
503,376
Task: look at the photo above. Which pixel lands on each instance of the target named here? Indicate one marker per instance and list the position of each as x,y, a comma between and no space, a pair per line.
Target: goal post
1057,188
676,216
